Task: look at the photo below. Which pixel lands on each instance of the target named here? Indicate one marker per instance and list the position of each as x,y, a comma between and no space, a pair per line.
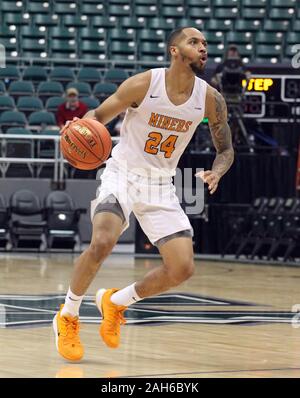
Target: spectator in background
232,53
71,108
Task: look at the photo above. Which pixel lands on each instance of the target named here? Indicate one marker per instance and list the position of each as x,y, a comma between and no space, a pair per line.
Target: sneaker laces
115,318
70,329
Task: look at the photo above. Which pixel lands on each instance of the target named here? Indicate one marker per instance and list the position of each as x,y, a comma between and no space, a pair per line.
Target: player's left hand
211,178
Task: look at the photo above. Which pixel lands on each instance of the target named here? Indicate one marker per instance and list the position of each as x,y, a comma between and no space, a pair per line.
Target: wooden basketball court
230,320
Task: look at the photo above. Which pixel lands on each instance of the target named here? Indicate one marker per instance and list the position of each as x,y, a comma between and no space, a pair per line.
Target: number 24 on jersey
154,144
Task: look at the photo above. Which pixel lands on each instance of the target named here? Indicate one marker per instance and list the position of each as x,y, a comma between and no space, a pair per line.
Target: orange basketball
85,144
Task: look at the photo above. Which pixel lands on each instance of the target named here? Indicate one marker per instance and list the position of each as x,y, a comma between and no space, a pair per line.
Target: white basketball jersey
155,134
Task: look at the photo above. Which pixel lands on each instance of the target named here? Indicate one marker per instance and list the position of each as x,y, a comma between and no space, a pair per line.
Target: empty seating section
103,30
120,30
30,222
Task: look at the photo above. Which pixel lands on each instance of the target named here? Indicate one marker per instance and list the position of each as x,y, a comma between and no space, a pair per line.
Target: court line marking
212,372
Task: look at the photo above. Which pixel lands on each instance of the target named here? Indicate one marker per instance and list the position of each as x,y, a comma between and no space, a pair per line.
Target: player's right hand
68,123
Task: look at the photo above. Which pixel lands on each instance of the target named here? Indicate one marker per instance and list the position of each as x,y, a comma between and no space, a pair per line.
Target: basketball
85,144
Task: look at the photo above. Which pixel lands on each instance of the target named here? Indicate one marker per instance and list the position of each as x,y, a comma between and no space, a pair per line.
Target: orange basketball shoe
112,317
66,330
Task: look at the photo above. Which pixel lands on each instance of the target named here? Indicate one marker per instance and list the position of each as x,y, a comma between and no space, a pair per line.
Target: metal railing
57,161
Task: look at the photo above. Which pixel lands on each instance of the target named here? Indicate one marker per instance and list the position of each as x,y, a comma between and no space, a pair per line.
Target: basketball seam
89,149
100,140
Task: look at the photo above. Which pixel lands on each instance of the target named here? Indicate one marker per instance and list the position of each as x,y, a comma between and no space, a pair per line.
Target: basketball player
164,107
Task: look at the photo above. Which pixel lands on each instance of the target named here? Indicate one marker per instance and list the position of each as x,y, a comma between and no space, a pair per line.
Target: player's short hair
172,39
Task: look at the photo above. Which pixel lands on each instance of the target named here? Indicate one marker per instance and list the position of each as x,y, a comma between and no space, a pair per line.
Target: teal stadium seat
90,75
18,130
12,119
226,3
53,103
91,34
215,50
49,89
6,103
152,48
28,105
119,10
35,73
293,37
276,26
42,119
255,3
38,7
46,20
62,74
146,2
92,9
90,102
32,47
296,25
132,23
123,2
161,24
268,51
174,12
9,44
247,25
104,90
219,25
15,19
21,88
115,76
59,33
283,3
83,88
172,3
6,33
226,13
239,38
200,12
65,8
75,21
146,11
214,37
122,48
63,48
253,13
151,35
121,34
198,3
103,22
32,32
246,50
93,49
11,7
183,22
282,13
268,38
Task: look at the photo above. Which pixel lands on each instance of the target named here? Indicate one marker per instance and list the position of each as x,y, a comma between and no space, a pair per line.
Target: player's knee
101,246
184,272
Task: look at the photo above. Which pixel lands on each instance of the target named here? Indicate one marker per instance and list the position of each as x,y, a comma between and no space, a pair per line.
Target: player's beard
196,67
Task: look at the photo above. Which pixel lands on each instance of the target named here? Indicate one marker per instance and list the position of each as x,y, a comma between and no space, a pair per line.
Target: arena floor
230,320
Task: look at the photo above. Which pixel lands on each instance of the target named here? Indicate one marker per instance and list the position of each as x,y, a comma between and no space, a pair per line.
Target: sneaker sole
54,323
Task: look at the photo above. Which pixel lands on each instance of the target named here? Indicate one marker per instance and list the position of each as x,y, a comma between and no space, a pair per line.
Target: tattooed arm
216,112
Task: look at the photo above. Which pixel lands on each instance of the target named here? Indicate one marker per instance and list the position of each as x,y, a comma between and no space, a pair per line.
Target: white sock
72,304
126,296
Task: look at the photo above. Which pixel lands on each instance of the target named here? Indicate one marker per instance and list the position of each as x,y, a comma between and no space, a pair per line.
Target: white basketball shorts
152,200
